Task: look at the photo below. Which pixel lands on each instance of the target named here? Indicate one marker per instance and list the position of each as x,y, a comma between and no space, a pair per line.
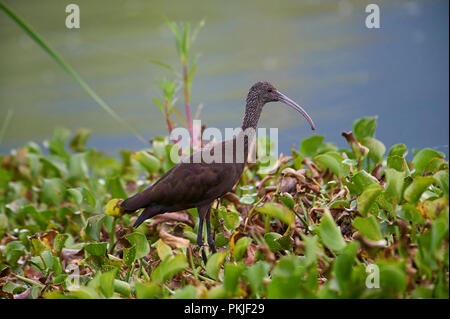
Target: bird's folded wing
186,184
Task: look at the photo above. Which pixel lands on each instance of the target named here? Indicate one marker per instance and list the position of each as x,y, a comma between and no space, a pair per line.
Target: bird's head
265,92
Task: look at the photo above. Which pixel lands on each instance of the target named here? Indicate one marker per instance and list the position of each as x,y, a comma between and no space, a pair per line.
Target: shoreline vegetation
328,222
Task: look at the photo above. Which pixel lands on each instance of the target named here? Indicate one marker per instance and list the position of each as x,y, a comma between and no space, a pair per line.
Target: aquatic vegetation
357,222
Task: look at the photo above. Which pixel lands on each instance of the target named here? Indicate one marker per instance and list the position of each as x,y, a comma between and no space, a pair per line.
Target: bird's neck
250,123
252,113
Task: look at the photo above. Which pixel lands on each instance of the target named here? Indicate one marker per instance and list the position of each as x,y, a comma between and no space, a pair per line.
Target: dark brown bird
197,183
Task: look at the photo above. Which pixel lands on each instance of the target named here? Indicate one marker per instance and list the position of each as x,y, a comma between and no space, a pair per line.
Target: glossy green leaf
214,263
232,273
129,255
365,127
163,249
277,211
271,241
96,249
52,191
140,241
94,225
332,161
394,185
241,247
255,275
146,290
368,197
442,180
376,148
187,292
368,227
148,161
107,283
170,267
330,233
423,159
310,146
417,187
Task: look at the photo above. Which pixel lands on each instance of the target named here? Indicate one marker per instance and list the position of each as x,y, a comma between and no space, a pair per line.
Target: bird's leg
211,243
200,235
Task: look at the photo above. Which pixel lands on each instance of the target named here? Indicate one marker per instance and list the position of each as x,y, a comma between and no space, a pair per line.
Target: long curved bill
283,98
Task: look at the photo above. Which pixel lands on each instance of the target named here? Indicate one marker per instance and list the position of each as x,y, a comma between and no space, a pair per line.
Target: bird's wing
186,185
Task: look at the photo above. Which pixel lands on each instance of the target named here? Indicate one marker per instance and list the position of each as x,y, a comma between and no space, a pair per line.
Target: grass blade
58,59
5,124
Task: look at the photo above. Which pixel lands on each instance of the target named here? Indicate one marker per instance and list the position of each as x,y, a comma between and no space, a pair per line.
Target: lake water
319,53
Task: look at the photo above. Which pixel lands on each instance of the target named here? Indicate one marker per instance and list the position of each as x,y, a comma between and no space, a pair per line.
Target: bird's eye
269,90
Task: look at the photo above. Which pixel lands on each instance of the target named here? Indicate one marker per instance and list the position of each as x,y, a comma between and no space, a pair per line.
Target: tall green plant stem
187,103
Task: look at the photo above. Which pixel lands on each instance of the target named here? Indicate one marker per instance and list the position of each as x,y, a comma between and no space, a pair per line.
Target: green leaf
146,290
94,225
88,198
271,241
163,249
122,288
241,247
52,191
170,267
59,241
417,187
129,255
442,180
361,180
368,227
343,266
140,241
376,148
394,185
79,140
332,161
398,150
76,195
231,218
115,187
57,143
287,280
187,292
277,211
107,283
365,127
310,146
231,277
148,161
330,233
392,277
78,168
13,251
287,200
423,159
397,162
368,197
214,263
312,249
255,275
96,249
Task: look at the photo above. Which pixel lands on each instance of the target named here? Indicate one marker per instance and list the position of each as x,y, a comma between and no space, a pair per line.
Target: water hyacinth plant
325,224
